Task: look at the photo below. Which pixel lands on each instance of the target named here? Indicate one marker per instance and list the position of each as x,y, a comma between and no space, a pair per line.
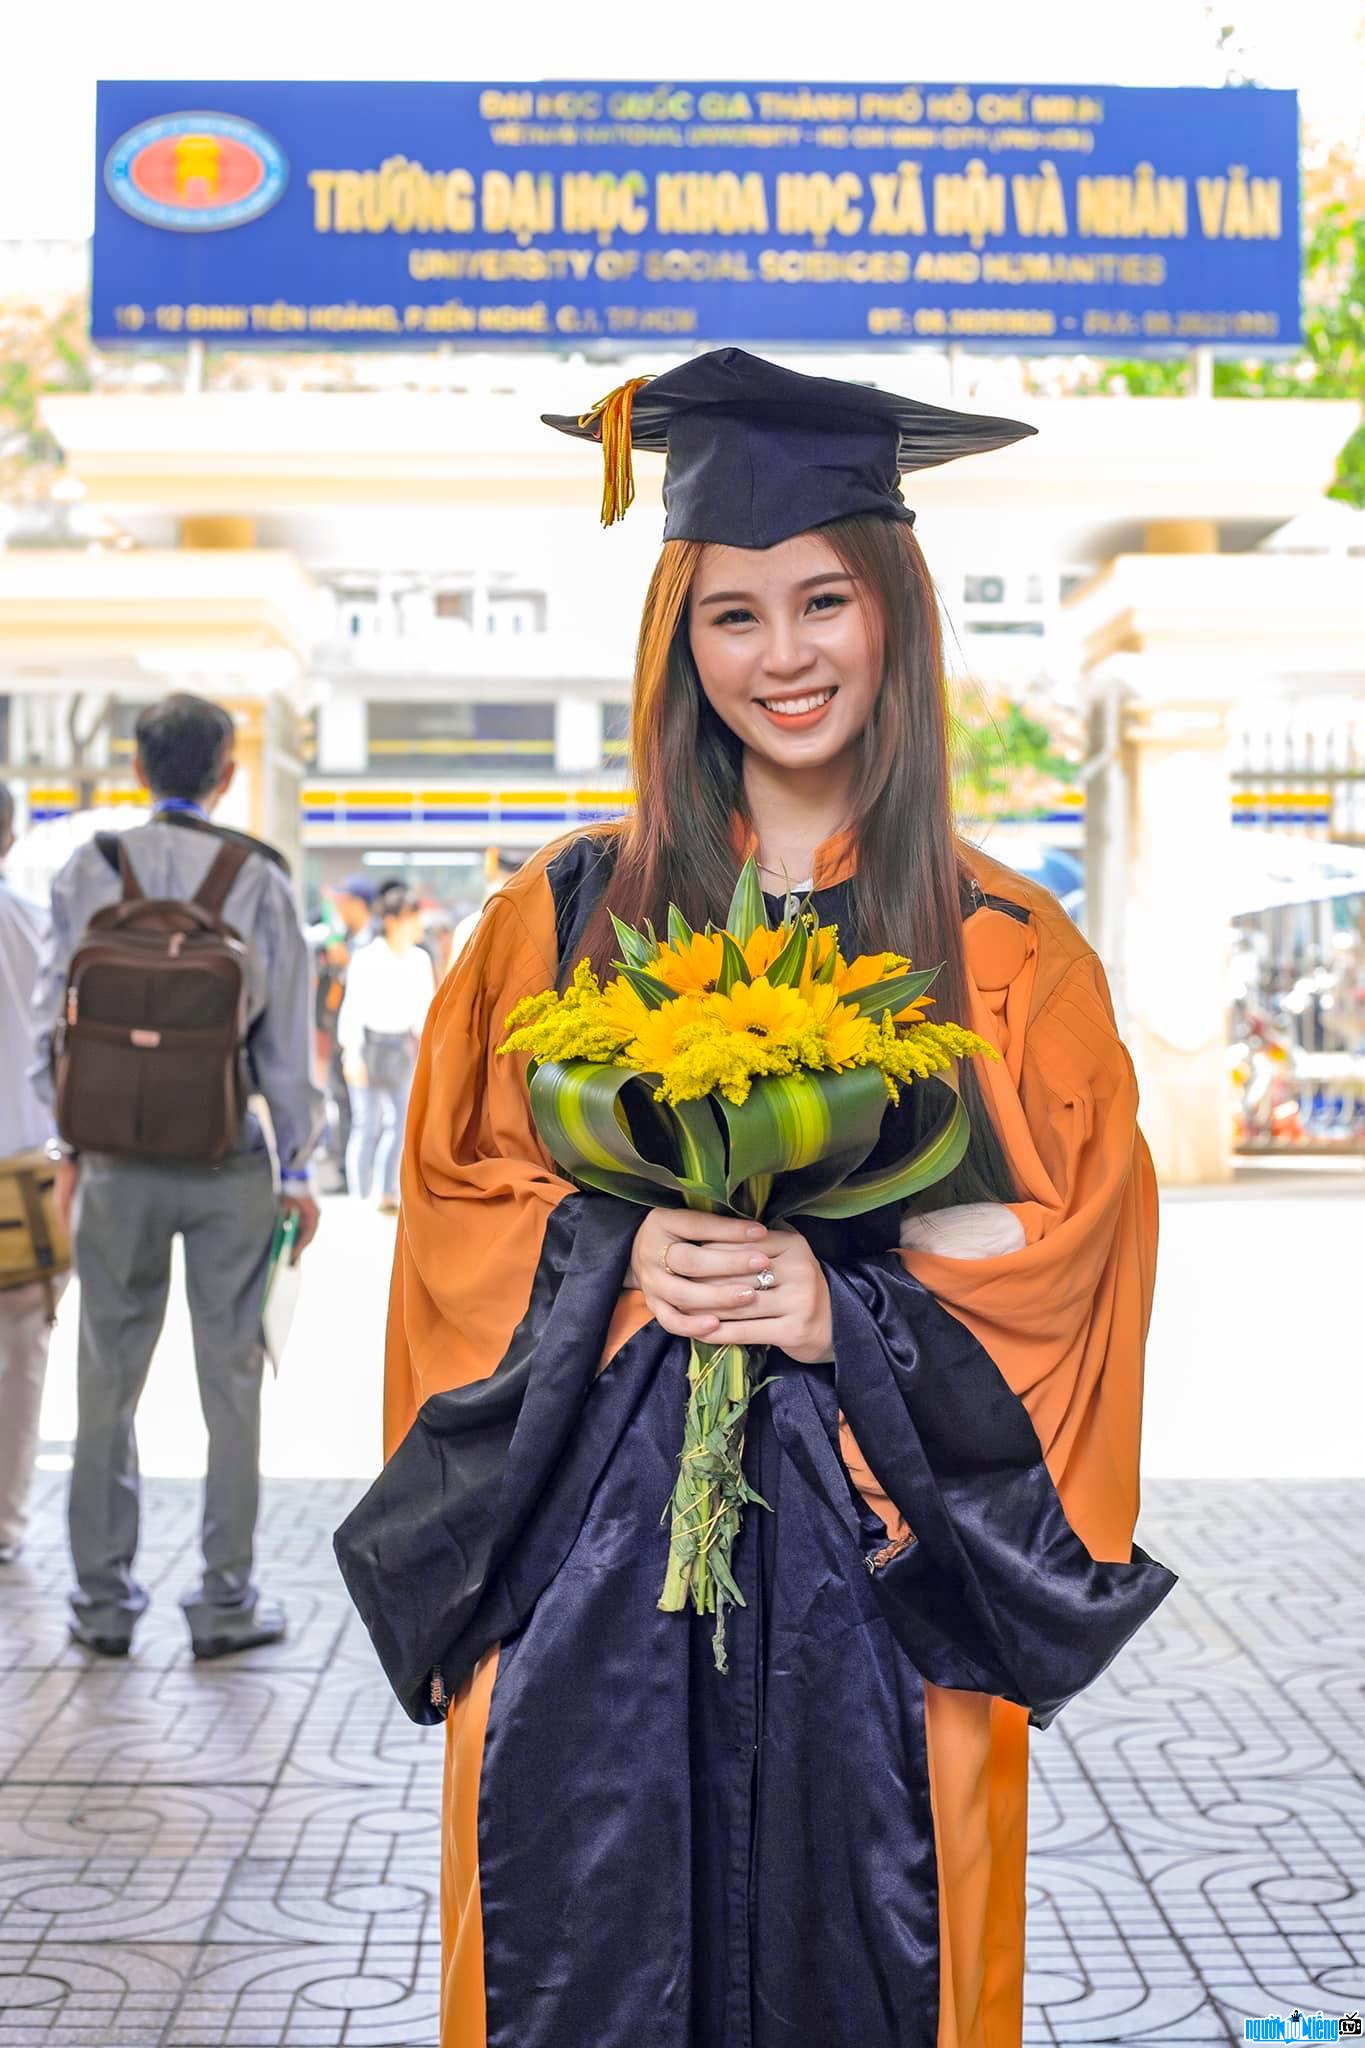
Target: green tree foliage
40,350
1006,761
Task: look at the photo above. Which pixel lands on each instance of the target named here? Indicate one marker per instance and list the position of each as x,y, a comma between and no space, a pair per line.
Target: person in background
348,924
24,1127
127,1212
389,988
438,940
498,868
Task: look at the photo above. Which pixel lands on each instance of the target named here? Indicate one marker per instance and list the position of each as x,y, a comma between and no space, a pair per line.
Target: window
442,738
1031,629
615,731
358,613
122,729
516,611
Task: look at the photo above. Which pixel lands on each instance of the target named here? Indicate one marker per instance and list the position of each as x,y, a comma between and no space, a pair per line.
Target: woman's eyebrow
746,596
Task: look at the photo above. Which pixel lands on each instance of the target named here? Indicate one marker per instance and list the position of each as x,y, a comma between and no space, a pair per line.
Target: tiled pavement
246,1853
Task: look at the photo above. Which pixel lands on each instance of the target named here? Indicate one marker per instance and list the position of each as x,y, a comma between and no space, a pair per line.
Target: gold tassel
612,415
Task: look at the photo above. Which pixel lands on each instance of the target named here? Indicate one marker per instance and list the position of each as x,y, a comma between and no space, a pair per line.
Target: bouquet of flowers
745,1071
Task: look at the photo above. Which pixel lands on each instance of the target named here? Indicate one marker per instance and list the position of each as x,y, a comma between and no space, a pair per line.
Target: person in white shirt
389,987
24,1126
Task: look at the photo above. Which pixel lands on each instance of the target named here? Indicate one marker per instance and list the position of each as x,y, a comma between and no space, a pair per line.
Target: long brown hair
677,846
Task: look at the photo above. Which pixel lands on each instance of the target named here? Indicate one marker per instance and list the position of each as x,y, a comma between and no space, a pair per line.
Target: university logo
196,172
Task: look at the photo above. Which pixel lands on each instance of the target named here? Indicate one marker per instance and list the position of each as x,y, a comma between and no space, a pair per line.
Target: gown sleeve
992,1591
1065,1317
477,1185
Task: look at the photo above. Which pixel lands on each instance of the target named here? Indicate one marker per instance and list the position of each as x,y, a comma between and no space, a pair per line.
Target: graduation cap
757,453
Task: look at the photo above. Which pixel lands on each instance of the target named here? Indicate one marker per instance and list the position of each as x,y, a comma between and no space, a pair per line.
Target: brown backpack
150,1058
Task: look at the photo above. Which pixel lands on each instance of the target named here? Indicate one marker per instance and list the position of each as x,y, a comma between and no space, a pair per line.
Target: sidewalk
1254,1366
245,1855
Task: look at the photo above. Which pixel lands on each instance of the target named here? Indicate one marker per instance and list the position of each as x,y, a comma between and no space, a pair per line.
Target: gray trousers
24,1335
127,1216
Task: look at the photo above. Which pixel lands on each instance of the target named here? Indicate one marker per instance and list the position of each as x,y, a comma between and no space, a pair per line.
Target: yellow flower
624,1009
530,1010
574,1026
693,969
907,1056
777,1015
712,1062
663,1035
846,1034
762,947
868,968
850,977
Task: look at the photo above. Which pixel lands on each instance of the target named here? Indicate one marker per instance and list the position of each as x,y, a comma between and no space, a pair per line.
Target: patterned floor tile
246,1855
380,1992
153,1821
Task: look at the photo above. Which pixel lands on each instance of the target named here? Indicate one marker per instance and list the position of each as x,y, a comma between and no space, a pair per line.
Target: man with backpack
175,985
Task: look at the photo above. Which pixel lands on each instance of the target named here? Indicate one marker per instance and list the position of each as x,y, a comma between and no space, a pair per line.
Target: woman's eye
829,597
732,618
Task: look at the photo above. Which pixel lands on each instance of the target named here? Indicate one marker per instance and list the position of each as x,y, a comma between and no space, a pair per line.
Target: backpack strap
113,851
186,821
974,898
213,891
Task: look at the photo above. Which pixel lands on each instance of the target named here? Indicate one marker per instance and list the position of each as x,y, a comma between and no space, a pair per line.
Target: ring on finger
668,1253
766,1279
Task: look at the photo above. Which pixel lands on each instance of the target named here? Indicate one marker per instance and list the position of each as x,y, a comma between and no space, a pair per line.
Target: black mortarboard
757,453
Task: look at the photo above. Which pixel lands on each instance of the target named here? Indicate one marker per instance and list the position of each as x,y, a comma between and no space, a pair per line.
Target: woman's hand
710,1287
354,1069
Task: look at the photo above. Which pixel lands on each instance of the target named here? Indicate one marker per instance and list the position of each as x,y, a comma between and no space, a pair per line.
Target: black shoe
103,1646
268,1626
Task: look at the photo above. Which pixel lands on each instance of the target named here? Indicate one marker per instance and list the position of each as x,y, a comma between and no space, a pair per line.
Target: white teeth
793,707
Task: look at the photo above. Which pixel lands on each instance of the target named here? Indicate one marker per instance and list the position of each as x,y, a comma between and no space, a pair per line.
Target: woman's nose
788,652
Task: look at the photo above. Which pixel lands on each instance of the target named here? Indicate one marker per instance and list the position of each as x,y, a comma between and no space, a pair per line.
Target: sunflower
692,969
763,946
779,1016
663,1035
866,970
851,976
847,1035
624,1009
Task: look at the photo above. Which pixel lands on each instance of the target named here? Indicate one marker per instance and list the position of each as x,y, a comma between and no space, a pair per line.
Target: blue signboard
617,215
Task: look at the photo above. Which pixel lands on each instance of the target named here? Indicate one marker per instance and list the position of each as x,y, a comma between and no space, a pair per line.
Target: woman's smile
799,714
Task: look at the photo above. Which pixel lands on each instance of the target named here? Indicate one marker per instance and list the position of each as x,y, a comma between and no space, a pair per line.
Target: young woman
824,1847
389,986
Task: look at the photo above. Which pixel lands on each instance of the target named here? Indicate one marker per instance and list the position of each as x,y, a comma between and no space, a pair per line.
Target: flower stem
709,1495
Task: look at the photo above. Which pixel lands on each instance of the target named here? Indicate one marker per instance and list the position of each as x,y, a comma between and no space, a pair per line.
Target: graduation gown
825,1847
